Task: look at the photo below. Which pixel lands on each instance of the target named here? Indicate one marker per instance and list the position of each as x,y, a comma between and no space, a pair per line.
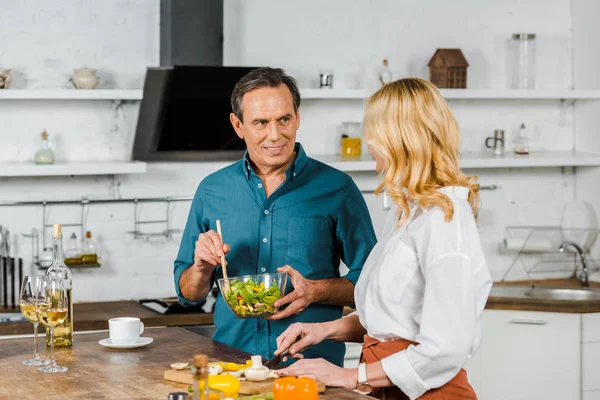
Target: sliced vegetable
250,298
227,384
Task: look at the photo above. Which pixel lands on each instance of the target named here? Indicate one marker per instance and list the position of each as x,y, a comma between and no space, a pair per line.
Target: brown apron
374,350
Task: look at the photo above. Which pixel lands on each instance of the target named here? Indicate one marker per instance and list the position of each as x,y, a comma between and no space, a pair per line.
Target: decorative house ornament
448,69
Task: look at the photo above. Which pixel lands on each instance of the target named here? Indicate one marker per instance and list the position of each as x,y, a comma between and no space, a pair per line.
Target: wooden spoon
223,263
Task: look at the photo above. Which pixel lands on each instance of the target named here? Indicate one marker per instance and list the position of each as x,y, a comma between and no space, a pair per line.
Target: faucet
584,275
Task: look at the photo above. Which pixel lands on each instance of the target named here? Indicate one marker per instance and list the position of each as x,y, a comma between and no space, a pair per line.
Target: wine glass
27,299
51,307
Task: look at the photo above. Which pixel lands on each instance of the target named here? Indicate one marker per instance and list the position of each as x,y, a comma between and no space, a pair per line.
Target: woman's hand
299,336
323,371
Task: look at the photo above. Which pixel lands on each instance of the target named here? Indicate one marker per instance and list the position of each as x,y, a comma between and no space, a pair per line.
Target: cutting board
246,387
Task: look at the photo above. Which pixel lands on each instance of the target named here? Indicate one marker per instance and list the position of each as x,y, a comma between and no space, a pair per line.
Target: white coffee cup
125,330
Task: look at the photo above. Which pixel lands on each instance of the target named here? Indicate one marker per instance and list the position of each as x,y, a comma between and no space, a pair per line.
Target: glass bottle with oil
73,253
89,255
63,333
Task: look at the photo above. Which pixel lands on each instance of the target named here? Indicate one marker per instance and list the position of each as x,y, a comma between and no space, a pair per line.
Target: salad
250,298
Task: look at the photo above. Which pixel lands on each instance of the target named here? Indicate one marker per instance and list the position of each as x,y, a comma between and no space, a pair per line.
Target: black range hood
184,113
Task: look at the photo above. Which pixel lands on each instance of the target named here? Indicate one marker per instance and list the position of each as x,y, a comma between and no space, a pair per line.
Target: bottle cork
88,234
200,360
44,135
57,230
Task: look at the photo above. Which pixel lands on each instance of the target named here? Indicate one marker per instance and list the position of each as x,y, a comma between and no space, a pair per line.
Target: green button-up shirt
316,218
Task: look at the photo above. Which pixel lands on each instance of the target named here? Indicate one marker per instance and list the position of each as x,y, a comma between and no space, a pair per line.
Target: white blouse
426,281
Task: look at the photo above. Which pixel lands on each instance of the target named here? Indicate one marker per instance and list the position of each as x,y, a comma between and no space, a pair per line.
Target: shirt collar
459,192
293,170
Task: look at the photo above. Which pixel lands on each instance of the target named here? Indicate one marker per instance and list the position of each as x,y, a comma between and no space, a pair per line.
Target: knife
276,360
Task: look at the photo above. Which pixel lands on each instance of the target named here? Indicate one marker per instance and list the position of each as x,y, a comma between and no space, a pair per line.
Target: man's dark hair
262,77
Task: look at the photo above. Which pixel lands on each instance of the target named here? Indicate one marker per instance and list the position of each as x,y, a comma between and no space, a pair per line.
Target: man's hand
209,250
302,296
195,280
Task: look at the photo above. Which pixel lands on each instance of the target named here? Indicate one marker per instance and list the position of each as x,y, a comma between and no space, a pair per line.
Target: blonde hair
409,124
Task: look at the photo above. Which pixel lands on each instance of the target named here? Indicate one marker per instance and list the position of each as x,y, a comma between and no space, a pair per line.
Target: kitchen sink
11,317
580,294
545,293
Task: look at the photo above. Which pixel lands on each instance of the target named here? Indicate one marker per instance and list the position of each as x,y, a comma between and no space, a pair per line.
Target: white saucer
141,342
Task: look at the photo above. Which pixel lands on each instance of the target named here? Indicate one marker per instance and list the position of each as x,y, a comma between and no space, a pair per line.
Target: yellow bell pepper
229,385
229,366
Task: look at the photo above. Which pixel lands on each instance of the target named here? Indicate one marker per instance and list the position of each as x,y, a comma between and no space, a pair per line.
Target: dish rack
538,252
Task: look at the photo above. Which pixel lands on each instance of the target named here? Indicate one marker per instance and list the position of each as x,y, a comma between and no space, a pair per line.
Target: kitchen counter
96,372
510,296
504,296
95,316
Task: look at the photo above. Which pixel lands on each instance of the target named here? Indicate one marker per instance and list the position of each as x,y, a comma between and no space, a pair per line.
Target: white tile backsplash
44,42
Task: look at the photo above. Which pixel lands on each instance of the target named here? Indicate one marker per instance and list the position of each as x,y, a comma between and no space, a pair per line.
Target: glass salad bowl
252,296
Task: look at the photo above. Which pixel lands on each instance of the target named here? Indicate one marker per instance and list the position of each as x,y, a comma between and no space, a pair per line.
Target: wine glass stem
52,362
35,339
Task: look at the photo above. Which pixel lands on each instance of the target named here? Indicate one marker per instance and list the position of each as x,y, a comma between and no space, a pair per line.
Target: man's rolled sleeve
185,256
355,233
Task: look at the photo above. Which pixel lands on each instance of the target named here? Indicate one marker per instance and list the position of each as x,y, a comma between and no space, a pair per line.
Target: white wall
43,42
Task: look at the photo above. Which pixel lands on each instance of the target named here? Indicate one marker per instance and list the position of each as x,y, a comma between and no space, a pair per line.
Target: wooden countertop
550,305
96,372
95,316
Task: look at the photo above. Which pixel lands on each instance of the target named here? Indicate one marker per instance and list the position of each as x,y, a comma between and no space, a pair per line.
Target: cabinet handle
520,321
386,200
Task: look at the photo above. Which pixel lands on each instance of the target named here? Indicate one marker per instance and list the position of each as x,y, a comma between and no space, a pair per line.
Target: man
280,211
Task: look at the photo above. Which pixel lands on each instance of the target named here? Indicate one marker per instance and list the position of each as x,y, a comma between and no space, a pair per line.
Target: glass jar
523,54
522,141
351,143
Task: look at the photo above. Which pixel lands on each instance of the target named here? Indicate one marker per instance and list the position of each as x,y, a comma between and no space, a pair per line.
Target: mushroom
180,366
257,372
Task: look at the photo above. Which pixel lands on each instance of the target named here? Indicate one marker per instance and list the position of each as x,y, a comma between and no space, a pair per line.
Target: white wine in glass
52,308
27,299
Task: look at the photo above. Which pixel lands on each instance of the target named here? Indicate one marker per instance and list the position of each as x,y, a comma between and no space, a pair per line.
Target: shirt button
263,269
260,185
266,212
264,240
294,174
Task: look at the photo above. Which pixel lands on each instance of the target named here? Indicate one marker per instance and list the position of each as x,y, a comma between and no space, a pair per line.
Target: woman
423,288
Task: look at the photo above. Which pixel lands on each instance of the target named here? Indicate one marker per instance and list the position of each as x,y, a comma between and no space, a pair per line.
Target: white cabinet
378,212
352,358
530,355
590,356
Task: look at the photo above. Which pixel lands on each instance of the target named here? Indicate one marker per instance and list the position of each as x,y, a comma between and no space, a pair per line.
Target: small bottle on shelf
385,73
522,141
44,155
89,255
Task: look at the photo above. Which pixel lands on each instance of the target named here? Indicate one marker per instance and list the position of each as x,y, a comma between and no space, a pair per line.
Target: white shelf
464,94
535,159
507,94
70,94
316,94
68,169
310,94
482,161
354,164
